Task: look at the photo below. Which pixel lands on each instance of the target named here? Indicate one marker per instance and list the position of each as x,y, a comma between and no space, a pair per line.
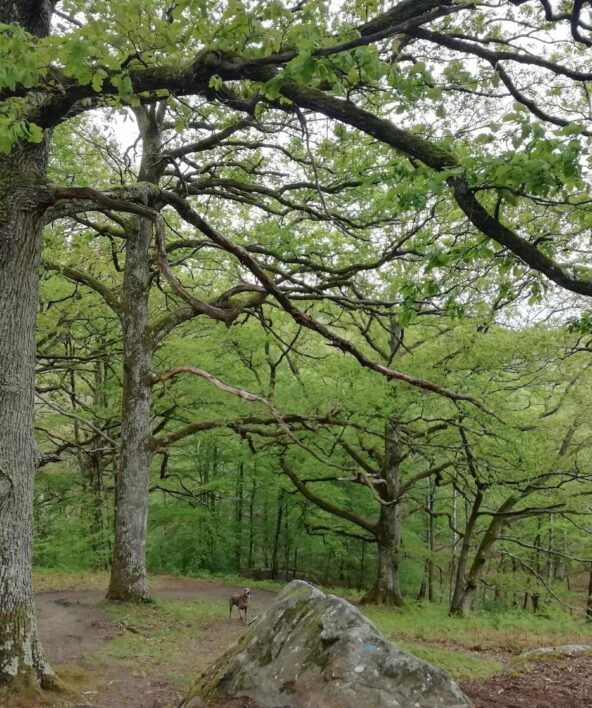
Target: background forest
279,457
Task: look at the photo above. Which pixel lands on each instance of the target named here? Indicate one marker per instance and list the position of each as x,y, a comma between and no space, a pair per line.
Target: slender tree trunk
238,518
327,569
99,464
431,492
464,601
287,546
265,529
463,556
514,594
278,529
92,465
551,559
362,566
535,597
90,461
589,602
212,474
386,589
426,590
251,521
128,570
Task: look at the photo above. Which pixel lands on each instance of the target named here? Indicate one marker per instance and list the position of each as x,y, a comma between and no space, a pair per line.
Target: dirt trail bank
75,625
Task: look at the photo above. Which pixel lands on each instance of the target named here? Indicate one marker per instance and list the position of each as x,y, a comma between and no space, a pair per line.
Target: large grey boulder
311,650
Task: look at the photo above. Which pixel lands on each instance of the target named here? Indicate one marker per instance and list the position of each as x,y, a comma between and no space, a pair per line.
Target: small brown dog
242,602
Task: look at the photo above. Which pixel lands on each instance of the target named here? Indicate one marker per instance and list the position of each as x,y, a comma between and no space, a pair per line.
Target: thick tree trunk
21,658
386,589
128,570
21,205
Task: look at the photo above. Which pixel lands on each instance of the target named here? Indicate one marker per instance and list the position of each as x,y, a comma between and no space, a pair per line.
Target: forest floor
137,657
122,656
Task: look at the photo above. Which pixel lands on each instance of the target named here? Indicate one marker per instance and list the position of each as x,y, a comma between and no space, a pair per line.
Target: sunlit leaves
19,65
14,126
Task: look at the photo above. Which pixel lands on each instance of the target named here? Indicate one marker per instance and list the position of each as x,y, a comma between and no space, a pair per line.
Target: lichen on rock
312,650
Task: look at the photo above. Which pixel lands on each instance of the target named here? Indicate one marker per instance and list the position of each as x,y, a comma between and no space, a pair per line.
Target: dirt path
74,626
560,683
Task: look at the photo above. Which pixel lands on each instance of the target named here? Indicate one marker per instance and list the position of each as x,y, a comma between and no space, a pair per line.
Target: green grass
172,637
458,664
163,636
510,631
162,613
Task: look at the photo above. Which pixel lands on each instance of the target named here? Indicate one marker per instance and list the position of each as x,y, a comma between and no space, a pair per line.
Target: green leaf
35,133
273,87
97,79
573,129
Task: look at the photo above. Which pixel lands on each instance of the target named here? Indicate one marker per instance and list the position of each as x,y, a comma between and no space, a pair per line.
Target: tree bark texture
386,589
20,240
458,595
128,571
22,202
129,580
467,585
589,601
